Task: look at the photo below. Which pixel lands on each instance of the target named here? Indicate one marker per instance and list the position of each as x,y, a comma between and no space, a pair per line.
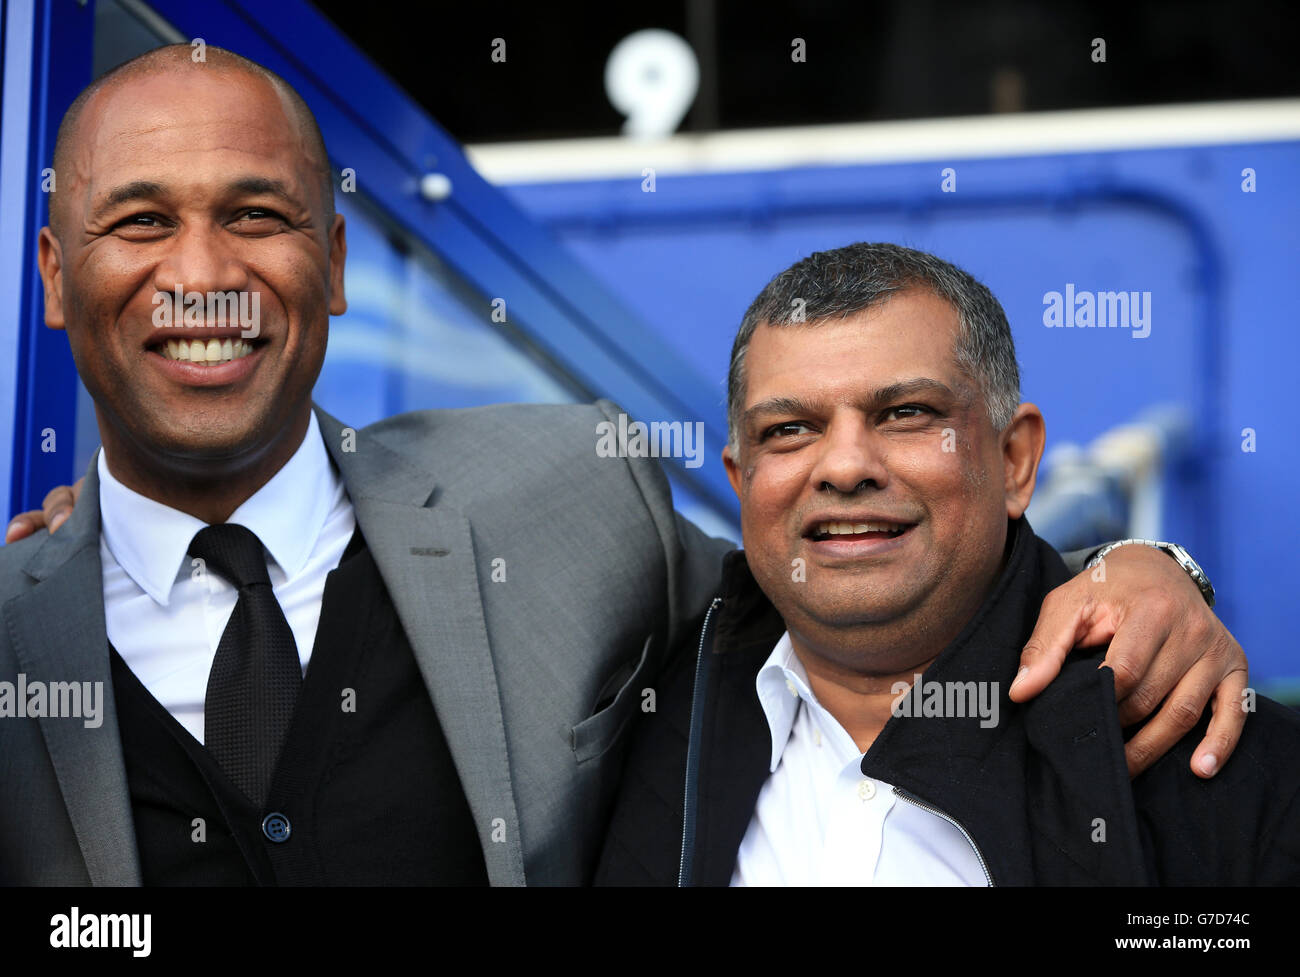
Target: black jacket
1035,794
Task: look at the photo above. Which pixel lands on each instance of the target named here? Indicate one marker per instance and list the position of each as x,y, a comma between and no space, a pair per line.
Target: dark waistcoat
364,793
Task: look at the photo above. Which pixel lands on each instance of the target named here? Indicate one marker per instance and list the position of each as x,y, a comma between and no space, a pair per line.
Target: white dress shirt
819,821
166,620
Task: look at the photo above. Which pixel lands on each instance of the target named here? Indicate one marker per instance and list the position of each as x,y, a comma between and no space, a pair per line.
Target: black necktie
255,676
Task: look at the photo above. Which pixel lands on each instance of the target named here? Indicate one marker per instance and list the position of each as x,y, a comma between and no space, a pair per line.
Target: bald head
176,58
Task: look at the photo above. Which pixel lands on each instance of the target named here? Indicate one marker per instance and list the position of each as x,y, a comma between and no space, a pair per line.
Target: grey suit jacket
539,584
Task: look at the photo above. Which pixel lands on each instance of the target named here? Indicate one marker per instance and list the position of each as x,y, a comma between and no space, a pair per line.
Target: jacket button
276,827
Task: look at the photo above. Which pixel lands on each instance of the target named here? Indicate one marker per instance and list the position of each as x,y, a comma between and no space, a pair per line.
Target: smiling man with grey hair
844,716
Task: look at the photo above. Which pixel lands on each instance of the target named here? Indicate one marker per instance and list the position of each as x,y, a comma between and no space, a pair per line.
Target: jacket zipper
690,798
913,799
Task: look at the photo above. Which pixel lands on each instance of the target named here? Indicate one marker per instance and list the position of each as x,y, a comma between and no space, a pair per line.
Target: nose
200,260
849,456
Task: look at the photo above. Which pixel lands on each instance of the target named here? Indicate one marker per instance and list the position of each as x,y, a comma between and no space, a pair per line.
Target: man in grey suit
522,591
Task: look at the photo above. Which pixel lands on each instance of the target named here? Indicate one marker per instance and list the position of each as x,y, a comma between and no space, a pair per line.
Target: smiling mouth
211,352
850,531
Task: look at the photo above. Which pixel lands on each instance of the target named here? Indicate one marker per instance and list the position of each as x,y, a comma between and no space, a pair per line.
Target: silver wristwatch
1180,555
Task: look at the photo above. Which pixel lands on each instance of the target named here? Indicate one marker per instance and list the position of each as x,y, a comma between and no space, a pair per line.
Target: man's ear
730,463
1022,450
338,255
49,259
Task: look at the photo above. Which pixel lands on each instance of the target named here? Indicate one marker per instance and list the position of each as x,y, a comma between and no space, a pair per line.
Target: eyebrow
135,190
150,190
875,398
261,185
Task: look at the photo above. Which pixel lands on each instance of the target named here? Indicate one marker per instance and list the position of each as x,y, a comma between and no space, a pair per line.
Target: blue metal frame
47,61
374,127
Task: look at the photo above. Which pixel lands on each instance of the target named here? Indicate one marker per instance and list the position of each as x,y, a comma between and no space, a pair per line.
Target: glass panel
123,30
415,336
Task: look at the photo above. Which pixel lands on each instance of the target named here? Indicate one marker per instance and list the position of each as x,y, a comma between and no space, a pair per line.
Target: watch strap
1175,552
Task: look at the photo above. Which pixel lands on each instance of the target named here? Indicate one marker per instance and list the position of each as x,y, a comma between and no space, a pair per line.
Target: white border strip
1020,134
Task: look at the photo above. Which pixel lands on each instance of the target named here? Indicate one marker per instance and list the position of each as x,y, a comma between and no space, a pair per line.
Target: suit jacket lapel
58,635
425,555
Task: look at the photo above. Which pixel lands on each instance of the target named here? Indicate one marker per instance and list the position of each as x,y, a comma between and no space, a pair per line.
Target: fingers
1146,662
53,513
23,525
1218,678
1176,718
1225,726
1216,674
1062,621
58,505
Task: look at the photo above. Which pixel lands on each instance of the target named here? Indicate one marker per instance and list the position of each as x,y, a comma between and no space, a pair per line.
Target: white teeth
205,353
854,528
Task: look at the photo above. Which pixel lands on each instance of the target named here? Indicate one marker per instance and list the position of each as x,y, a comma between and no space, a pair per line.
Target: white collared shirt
819,821
166,621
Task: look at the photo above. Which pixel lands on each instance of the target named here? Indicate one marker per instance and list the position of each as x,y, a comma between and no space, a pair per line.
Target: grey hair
840,283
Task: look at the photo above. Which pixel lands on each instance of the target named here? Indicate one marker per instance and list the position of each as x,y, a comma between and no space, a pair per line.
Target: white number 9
652,77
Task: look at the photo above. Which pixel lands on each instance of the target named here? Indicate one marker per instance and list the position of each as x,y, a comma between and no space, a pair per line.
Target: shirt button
866,789
789,684
276,827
